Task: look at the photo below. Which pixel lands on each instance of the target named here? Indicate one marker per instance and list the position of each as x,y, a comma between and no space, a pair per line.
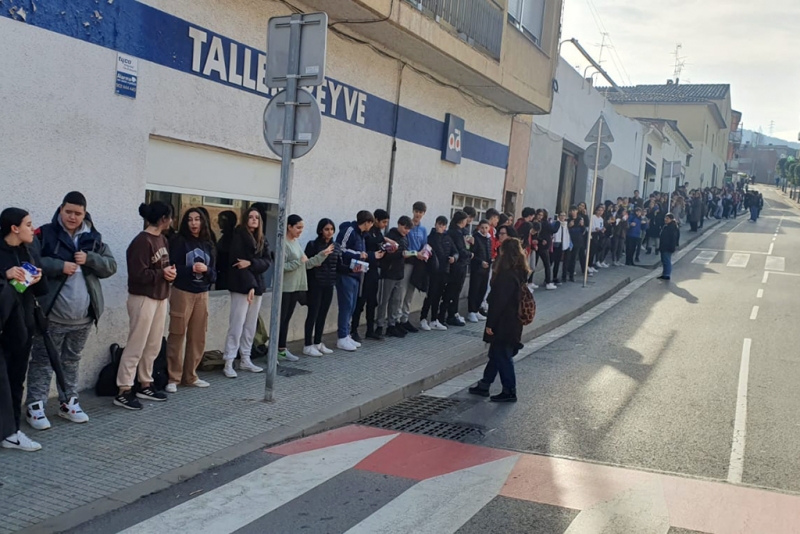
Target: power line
619,65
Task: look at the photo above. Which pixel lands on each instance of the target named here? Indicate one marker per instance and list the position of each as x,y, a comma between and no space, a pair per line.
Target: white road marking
440,505
739,260
775,263
760,294
736,466
771,246
244,500
754,313
732,251
774,238
787,274
705,257
765,278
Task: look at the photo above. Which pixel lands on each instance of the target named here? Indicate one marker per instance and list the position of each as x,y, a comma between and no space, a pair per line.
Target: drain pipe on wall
394,138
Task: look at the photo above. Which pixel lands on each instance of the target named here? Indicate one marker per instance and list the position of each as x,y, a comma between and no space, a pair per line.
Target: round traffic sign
307,123
590,154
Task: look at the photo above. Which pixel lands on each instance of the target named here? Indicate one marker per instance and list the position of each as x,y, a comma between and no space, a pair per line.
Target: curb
331,417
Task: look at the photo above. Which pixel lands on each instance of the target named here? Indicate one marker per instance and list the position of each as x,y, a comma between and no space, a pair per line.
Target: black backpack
107,380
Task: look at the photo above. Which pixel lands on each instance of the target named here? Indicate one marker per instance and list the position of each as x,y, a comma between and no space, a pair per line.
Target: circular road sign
307,124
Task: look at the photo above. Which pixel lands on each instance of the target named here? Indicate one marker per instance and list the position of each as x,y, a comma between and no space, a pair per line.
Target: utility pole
680,62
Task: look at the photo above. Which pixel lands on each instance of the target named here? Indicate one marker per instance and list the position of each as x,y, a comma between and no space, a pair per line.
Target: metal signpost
296,49
597,155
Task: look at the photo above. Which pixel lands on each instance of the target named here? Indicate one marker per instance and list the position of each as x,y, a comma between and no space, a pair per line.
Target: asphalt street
674,411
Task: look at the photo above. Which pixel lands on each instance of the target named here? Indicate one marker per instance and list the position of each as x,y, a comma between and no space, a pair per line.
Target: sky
753,46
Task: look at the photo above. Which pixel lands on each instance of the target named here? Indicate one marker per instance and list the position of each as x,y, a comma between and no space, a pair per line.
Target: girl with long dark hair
321,282
226,221
503,325
149,277
249,259
458,270
21,283
192,250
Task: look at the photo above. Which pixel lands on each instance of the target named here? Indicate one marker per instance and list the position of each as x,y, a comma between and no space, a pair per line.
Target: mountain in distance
764,139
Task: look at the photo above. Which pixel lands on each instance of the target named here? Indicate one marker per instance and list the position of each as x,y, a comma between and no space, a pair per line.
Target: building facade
703,114
185,123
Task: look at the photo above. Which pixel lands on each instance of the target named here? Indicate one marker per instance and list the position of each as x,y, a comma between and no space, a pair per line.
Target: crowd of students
375,270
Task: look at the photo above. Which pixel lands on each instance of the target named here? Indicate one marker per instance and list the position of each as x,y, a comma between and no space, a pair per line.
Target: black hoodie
15,257
443,250
463,254
243,247
393,263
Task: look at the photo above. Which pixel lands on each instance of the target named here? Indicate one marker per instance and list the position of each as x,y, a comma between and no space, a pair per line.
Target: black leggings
15,351
434,304
455,282
631,246
544,255
288,304
368,300
559,257
319,302
478,282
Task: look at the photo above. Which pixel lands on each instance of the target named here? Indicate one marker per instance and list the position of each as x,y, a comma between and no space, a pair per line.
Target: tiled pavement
80,464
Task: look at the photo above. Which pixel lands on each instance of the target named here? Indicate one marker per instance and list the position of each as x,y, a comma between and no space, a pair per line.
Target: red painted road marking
421,457
347,434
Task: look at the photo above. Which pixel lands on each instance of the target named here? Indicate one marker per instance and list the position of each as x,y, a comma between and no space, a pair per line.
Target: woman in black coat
321,281
17,323
503,324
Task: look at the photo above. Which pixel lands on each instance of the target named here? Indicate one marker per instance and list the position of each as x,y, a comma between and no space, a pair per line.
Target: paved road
674,411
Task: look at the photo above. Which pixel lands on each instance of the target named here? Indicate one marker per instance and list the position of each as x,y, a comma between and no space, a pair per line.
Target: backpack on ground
106,385
527,305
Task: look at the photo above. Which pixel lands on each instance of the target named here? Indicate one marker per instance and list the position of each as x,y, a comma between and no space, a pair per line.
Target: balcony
467,43
477,22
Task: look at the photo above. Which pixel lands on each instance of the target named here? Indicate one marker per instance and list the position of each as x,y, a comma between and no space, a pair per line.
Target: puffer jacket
323,275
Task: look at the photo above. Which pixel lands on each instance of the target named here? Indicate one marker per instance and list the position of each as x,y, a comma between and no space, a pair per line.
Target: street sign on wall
453,133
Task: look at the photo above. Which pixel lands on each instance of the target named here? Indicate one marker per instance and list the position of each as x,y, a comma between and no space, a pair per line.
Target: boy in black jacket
392,272
373,241
670,240
444,254
479,270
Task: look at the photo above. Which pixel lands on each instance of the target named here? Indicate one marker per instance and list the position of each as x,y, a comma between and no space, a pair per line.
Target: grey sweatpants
69,340
391,302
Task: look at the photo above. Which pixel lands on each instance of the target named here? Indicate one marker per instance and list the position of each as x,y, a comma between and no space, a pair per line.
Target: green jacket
294,270
54,246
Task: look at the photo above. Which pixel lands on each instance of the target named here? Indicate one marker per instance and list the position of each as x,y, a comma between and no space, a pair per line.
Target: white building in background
667,153
557,176
187,127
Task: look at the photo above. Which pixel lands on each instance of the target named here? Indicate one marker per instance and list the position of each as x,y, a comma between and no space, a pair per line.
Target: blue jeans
666,264
501,361
347,297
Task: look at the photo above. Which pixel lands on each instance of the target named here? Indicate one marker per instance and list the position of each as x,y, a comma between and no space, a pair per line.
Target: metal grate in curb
421,406
425,427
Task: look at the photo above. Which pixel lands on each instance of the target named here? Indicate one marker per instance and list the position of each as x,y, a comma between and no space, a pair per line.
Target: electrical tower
680,62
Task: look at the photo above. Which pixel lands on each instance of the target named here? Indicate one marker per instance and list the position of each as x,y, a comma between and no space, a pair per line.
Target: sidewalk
87,470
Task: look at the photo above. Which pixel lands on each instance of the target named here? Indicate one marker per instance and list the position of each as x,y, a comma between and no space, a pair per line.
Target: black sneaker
151,394
395,331
479,389
452,321
128,401
504,397
376,335
410,328
354,336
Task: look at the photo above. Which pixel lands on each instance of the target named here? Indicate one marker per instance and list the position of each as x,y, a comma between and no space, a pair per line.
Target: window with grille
460,201
528,17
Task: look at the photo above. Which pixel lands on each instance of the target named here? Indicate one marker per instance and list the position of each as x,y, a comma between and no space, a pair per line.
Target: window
649,149
460,201
224,214
528,17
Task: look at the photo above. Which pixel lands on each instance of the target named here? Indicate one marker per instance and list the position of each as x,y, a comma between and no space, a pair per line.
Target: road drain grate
289,372
425,427
421,406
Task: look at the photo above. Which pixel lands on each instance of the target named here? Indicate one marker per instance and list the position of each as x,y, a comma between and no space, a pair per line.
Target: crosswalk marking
442,504
739,260
246,499
705,257
775,263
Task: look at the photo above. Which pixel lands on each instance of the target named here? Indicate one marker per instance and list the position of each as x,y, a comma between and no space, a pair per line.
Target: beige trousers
147,319
188,322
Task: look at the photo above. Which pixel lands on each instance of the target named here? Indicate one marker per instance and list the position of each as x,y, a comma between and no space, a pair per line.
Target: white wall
75,133
576,108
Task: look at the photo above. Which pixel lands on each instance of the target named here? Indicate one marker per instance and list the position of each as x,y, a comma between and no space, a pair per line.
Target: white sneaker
355,343
472,317
228,370
171,388
200,384
436,325
323,349
592,270
71,411
604,265
481,317
36,417
424,326
313,351
287,356
532,285
551,286
346,343
460,319
21,442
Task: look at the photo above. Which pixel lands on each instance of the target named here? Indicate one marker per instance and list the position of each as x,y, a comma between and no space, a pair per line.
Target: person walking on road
670,241
503,325
74,260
